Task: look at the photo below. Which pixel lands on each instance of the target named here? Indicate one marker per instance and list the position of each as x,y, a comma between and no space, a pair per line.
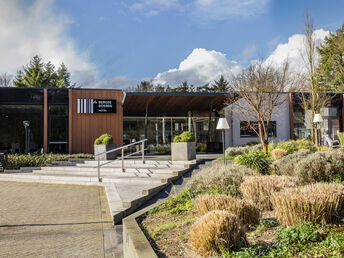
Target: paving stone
46,220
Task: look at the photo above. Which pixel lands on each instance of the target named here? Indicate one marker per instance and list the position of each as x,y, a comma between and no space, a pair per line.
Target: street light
26,125
317,120
223,125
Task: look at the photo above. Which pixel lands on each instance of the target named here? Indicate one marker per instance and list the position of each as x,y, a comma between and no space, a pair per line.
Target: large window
12,130
247,131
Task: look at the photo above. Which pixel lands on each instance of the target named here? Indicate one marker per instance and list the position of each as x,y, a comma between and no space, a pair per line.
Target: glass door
58,129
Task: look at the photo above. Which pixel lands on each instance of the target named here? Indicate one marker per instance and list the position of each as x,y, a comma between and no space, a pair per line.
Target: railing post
143,152
123,169
99,179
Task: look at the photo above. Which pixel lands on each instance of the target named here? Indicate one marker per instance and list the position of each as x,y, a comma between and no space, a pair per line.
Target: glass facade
160,131
331,114
12,130
58,128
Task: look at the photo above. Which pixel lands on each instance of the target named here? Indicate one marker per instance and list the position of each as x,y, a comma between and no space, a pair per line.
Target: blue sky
137,39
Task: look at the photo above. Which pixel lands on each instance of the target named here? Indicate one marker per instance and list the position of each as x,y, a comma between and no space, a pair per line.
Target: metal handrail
122,154
118,148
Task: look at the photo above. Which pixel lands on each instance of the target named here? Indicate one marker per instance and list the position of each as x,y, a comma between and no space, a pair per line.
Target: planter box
105,147
182,151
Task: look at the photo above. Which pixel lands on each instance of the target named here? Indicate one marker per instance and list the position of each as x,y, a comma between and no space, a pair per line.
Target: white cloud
227,9
200,67
150,8
293,51
34,28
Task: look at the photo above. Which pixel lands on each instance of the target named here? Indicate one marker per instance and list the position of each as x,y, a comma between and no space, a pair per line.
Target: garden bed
283,227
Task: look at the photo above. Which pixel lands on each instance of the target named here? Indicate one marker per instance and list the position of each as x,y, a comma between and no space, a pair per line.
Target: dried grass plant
219,178
259,189
319,203
278,153
246,211
214,229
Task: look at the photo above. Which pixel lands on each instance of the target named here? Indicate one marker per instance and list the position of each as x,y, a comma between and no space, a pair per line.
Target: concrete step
68,179
138,161
163,177
132,165
109,169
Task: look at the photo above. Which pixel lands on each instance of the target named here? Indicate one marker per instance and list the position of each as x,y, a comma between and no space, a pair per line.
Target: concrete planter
105,147
183,151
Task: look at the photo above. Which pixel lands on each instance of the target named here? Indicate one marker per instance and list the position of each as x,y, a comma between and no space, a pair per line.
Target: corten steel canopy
166,102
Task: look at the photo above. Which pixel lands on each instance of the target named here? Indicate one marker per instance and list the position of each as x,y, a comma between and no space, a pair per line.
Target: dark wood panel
87,127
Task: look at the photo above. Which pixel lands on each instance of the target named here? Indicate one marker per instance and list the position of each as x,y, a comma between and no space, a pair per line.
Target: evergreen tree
49,76
33,73
185,87
63,77
204,88
331,67
40,75
19,80
145,86
220,85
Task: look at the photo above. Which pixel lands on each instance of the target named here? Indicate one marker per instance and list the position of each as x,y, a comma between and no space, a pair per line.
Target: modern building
69,120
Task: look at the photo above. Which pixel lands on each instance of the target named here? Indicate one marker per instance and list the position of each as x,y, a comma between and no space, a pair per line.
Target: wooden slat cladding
85,128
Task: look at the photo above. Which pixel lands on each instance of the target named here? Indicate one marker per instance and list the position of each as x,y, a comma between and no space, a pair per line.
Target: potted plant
184,147
102,144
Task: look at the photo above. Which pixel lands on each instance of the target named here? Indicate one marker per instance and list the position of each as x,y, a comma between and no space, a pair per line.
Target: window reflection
12,130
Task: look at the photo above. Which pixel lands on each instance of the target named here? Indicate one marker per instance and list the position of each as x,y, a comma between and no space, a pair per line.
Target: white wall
282,122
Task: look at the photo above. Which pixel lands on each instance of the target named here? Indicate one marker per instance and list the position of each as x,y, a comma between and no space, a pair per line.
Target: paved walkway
46,220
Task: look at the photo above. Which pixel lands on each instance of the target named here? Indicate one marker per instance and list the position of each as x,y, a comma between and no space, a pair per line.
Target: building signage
91,106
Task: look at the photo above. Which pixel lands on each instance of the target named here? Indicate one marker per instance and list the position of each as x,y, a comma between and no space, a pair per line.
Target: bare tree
6,80
314,97
260,93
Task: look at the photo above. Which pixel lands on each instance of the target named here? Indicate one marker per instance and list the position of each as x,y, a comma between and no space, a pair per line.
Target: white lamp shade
317,118
222,124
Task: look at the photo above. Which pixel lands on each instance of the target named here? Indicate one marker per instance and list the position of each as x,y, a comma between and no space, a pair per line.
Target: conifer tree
221,85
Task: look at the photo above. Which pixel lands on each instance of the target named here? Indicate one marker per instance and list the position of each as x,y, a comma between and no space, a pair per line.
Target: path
47,220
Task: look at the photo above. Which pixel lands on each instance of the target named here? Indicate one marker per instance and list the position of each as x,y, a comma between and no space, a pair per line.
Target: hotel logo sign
92,106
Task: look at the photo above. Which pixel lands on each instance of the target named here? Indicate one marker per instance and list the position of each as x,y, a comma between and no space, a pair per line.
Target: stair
126,191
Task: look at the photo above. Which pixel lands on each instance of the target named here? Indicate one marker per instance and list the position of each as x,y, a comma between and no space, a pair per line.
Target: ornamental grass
278,153
319,203
259,189
245,210
214,230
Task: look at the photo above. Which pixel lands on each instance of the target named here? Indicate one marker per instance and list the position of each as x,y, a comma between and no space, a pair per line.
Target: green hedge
16,161
104,139
185,137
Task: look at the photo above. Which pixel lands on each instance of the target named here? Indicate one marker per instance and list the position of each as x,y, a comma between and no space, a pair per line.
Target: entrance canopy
136,103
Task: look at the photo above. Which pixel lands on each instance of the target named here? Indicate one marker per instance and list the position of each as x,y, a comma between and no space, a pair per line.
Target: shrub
304,151
256,160
16,161
278,153
201,147
104,139
259,189
296,239
322,166
177,203
295,145
287,164
219,178
341,138
185,137
233,151
246,211
319,203
214,230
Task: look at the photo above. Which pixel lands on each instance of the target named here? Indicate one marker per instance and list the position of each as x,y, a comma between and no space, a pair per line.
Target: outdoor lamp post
223,125
317,120
26,125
